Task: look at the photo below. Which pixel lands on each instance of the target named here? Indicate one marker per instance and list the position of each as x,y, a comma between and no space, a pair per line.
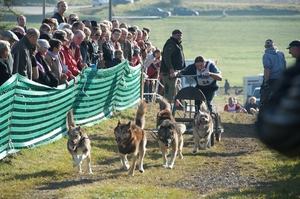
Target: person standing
274,65
5,71
22,53
21,21
172,61
226,87
278,122
61,7
294,49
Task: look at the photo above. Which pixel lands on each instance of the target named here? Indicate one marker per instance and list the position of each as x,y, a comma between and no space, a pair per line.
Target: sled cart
184,110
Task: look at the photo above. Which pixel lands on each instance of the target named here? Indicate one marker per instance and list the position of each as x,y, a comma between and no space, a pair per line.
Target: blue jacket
274,60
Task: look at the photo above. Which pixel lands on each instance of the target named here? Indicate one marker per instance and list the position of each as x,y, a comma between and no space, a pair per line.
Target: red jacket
70,60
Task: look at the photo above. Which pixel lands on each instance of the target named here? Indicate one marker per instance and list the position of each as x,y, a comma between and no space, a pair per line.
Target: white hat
43,43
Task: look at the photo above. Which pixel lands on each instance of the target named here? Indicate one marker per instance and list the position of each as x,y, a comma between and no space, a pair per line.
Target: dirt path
222,170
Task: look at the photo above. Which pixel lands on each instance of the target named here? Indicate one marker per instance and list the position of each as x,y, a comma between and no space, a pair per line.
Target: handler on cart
206,75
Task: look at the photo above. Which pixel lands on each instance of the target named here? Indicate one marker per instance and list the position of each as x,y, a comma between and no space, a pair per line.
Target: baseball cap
295,43
269,43
9,35
176,31
60,35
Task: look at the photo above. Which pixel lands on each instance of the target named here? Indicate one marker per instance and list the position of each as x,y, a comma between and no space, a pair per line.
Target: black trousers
209,93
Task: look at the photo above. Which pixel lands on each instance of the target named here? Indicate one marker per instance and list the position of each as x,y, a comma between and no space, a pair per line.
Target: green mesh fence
32,114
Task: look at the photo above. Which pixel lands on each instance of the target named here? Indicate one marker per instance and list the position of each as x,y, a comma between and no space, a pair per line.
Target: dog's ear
129,123
118,123
78,128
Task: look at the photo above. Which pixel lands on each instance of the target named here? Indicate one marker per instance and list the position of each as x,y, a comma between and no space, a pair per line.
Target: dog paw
141,170
194,151
170,167
181,156
131,173
165,165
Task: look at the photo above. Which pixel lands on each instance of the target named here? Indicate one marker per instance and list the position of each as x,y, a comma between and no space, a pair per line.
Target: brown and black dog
79,144
170,134
131,139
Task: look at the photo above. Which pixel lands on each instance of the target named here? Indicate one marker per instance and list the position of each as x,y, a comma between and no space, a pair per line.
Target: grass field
47,172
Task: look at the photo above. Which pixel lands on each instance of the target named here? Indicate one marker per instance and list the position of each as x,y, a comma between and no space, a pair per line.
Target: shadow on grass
217,154
44,173
234,130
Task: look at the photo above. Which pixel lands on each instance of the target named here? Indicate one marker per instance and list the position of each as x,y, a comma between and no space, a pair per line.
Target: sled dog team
131,137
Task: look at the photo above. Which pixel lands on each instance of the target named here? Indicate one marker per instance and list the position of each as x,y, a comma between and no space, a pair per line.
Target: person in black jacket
45,76
172,61
61,7
5,71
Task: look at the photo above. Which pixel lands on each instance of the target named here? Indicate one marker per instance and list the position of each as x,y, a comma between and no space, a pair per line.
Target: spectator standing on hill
294,49
21,21
126,45
12,38
226,87
172,61
45,76
22,53
53,60
5,70
274,64
278,122
61,7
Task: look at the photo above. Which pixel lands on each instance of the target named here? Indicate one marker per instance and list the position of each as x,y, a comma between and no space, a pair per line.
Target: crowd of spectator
65,45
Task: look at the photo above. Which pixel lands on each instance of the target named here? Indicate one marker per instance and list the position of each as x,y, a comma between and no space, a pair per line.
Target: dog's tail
70,122
181,128
140,114
164,104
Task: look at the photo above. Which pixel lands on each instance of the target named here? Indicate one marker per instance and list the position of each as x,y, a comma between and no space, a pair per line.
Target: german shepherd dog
131,139
203,129
169,135
79,145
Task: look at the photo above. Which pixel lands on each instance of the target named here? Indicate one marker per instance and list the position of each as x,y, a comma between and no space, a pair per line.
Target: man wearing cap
22,53
274,65
12,38
172,62
294,49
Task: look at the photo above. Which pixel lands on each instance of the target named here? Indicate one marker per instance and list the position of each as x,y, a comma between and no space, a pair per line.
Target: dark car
182,11
156,12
